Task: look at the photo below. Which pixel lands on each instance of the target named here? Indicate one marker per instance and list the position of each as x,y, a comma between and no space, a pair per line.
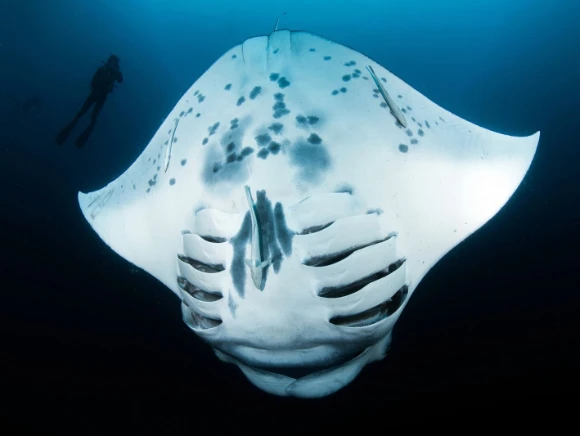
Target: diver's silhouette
102,84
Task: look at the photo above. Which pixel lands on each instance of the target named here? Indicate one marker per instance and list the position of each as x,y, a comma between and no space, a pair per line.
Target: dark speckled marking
312,119
241,101
283,233
403,148
327,58
195,93
311,160
230,147
314,139
274,77
335,92
404,110
213,129
263,139
200,98
231,158
255,92
420,132
171,182
414,141
263,153
234,56
182,113
276,128
238,266
276,51
190,110
274,147
344,189
228,87
383,79
383,104
204,141
343,90
409,132
197,115
246,151
283,82
279,96
346,78
301,119
183,162
427,124
312,50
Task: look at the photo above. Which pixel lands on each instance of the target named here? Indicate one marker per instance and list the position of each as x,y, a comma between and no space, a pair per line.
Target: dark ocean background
88,340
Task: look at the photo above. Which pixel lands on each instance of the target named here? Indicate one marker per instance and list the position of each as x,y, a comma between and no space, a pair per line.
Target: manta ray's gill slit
200,266
315,229
375,314
199,321
351,288
332,258
196,292
213,239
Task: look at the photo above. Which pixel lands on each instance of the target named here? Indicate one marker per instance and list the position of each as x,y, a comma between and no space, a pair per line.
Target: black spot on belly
195,93
255,92
276,128
228,87
283,82
274,147
197,115
312,49
274,77
420,132
409,132
346,78
279,96
171,181
231,158
241,101
204,141
301,119
343,90
403,148
190,110
414,141
404,110
327,58
213,129
311,160
246,151
183,162
263,153
383,104
427,124
182,113
313,120
234,56
263,139
335,92
314,139
276,51
230,147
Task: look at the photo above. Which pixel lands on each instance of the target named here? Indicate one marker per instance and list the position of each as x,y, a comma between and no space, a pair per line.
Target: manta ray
293,200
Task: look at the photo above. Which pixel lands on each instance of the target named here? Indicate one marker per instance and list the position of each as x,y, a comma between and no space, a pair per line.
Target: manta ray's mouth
298,372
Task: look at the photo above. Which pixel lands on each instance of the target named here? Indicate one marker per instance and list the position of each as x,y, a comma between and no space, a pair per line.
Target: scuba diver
102,84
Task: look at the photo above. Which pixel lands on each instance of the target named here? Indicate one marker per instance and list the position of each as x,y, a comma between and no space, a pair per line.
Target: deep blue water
494,325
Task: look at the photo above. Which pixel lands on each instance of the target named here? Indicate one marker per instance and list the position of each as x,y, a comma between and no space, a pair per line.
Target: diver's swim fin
61,137
82,139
